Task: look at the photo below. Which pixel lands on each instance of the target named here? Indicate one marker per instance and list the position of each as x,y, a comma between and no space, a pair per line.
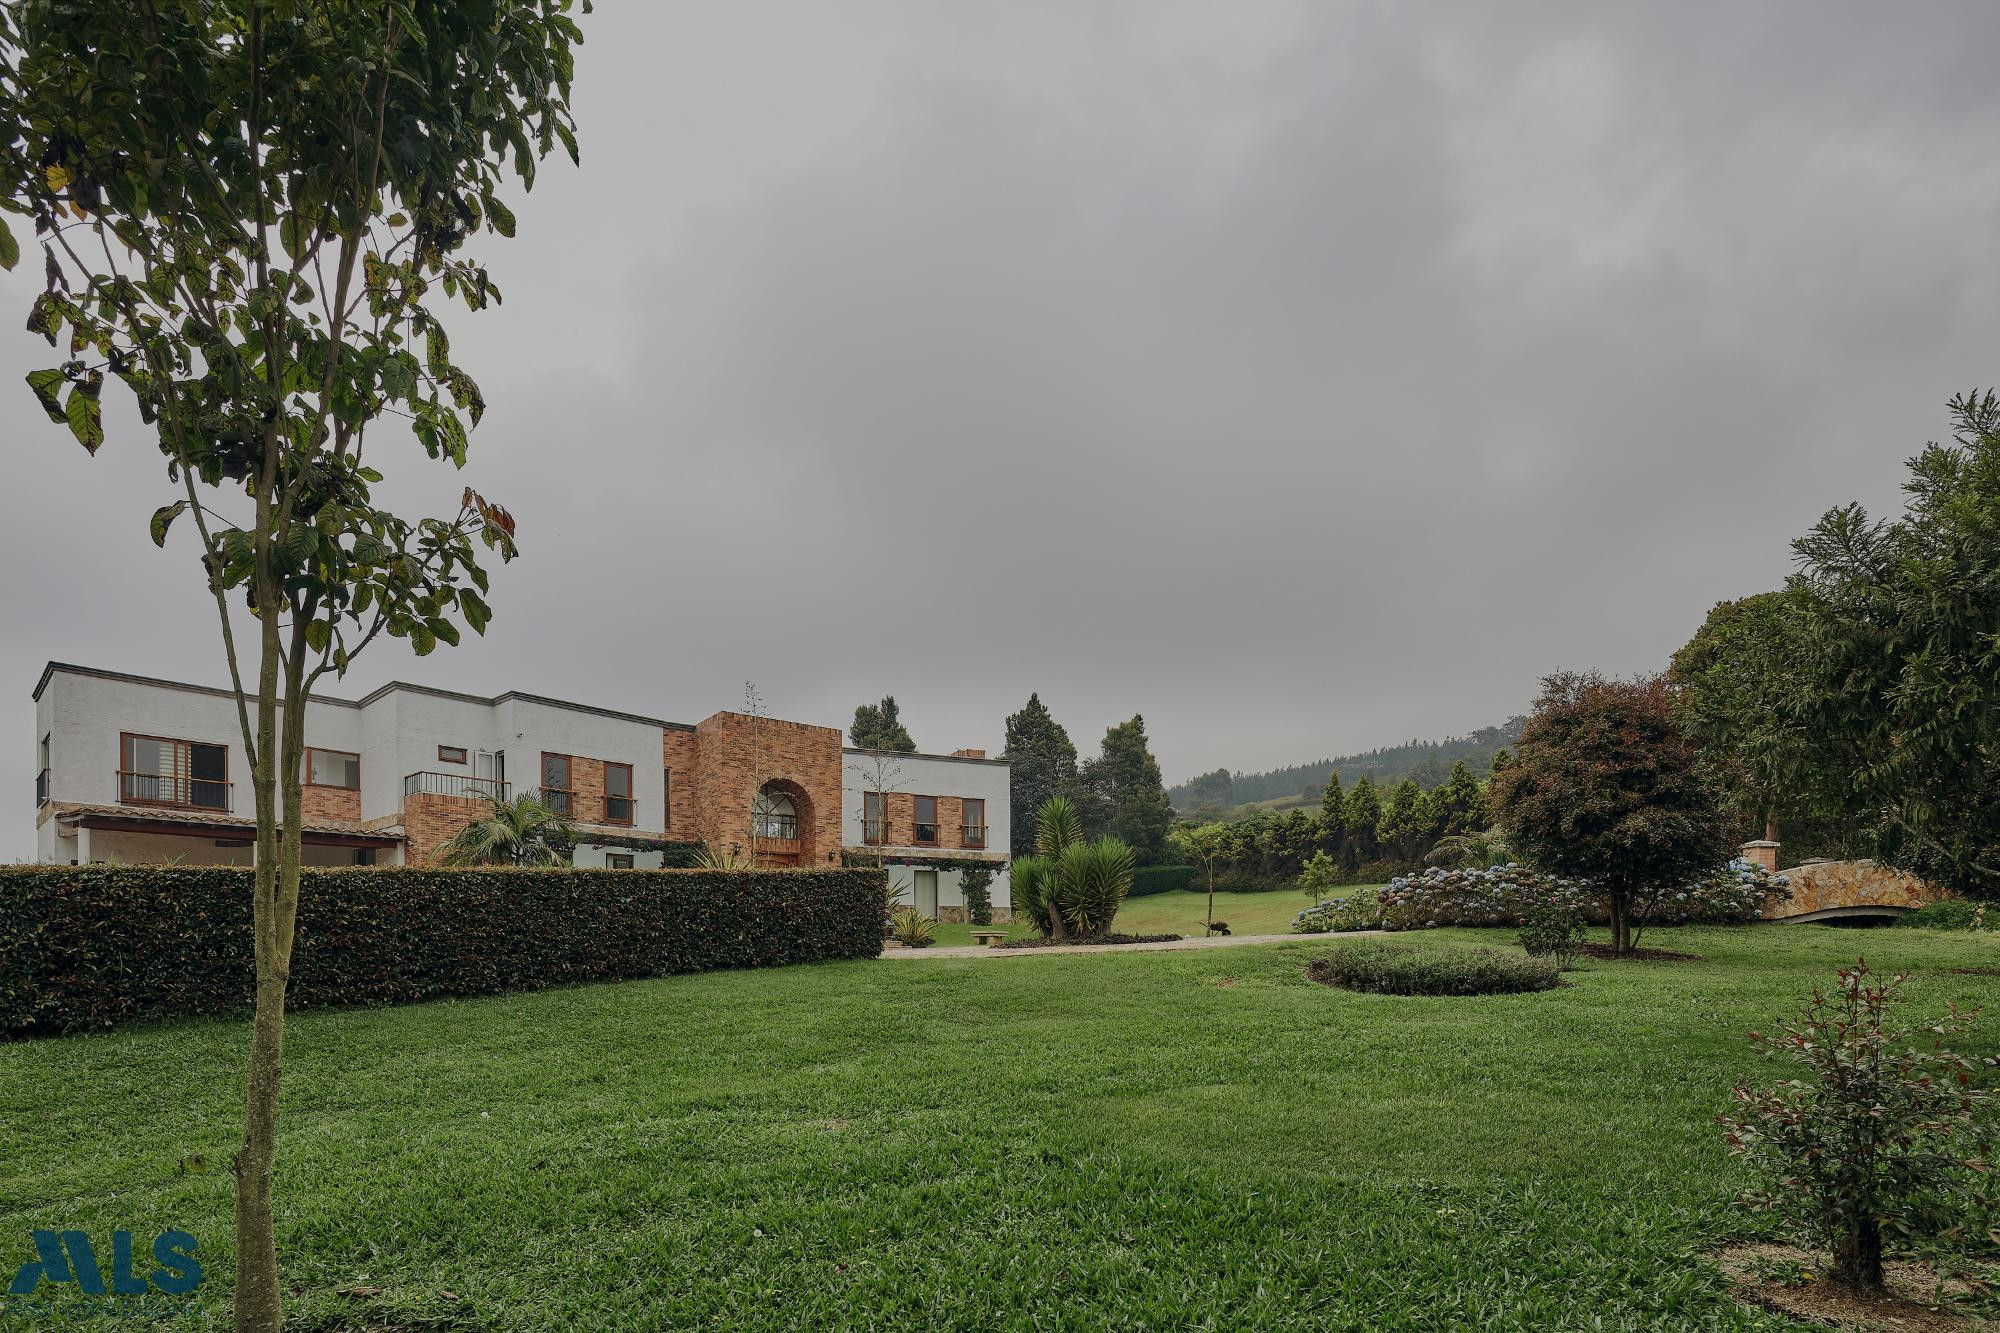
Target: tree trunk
1621,922
1857,1259
1208,926
258,1309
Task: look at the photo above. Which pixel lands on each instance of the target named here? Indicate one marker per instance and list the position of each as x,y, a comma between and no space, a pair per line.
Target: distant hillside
1429,762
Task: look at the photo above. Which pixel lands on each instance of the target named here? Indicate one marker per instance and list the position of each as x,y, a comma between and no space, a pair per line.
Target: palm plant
1470,851
514,832
1070,883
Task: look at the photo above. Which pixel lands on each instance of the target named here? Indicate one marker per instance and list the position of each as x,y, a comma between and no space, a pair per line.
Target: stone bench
989,938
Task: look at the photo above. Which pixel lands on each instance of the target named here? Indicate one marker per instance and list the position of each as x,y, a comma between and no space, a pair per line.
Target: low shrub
1357,911
1044,942
1946,914
1553,930
1883,1135
975,883
912,929
1148,880
1510,895
1387,969
92,946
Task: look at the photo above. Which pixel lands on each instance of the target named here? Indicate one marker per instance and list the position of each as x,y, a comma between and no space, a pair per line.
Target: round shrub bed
1386,969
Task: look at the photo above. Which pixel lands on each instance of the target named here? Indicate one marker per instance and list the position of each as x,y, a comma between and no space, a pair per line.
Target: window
42,777
555,782
927,823
975,822
153,770
451,754
666,798
364,856
618,860
874,823
776,815
333,768
618,794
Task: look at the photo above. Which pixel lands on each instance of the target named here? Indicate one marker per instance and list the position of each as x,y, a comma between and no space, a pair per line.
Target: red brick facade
331,803
732,750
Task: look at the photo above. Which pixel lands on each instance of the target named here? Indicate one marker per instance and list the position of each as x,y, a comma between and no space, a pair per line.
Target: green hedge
1147,880
93,946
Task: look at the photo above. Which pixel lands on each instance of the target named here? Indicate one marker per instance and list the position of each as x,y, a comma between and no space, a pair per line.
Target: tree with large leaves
1043,765
252,213
514,831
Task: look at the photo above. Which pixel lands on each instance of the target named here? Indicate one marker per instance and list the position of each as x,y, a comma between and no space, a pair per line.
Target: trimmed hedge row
93,946
1148,880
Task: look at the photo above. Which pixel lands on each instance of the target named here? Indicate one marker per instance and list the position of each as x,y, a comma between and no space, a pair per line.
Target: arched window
777,816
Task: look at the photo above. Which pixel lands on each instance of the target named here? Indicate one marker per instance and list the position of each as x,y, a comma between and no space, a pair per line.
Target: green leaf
45,317
422,641
437,352
300,541
477,614
446,631
370,550
293,235
10,249
44,383
498,214
163,516
318,635
85,414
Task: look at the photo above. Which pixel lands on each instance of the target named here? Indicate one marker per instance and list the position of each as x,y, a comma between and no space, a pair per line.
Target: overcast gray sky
1304,376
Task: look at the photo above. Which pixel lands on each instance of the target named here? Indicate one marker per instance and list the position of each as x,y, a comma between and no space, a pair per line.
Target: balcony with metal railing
460,786
173,789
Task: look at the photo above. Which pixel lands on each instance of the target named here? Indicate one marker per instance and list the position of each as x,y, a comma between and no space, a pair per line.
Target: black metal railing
41,789
973,835
927,833
875,832
778,826
175,789
460,785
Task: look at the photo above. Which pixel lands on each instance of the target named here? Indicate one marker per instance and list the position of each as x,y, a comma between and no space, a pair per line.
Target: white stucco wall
932,775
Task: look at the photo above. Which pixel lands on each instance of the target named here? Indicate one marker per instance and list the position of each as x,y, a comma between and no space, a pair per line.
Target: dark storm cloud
1306,378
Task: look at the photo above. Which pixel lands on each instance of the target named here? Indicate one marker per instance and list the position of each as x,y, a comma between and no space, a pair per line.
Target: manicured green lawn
1182,914
1148,1140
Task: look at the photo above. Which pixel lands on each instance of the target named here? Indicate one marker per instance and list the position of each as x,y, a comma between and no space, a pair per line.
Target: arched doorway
782,821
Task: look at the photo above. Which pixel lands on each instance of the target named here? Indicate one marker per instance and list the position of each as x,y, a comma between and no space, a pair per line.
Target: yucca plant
517,832
1070,884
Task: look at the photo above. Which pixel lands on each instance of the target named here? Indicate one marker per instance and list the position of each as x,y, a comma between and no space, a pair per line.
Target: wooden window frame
568,789
666,798
971,835
446,753
181,779
917,822
626,857
631,797
312,750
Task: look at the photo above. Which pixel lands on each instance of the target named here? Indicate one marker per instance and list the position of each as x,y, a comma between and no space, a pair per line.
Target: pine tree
1125,780
1461,804
1044,766
877,727
1364,815
1333,818
1402,825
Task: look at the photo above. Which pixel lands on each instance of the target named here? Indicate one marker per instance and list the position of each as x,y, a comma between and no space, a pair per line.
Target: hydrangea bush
1511,894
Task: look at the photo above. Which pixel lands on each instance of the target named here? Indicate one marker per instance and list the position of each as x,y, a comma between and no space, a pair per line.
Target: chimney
1762,852
968,754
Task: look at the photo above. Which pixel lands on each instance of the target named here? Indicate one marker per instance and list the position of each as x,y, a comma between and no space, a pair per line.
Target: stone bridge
1844,890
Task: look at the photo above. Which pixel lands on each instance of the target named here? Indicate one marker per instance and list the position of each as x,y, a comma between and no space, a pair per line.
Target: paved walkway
1196,942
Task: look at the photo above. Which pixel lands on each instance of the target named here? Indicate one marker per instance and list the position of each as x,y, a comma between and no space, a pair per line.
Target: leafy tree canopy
878,727
1043,760
1606,785
1125,781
